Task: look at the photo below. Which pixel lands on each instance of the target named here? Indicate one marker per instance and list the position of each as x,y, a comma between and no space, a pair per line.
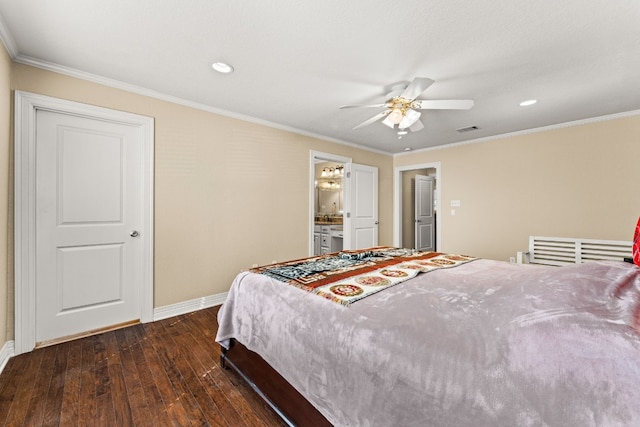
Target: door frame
25,107
397,200
315,157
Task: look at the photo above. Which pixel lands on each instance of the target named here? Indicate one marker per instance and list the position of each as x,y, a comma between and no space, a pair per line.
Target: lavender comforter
484,344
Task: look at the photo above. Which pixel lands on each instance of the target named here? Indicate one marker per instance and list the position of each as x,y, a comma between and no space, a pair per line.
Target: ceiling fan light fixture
388,122
410,117
401,110
395,116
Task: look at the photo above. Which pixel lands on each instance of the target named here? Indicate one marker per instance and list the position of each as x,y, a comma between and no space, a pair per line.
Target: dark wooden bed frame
281,396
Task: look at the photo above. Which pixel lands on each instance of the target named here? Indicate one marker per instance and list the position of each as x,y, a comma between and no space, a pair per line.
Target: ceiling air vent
468,129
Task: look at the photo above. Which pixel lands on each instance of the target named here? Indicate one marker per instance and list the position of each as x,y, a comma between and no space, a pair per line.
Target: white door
424,215
361,206
89,217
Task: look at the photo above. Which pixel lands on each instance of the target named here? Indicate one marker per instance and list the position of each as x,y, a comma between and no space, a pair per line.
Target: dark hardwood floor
165,373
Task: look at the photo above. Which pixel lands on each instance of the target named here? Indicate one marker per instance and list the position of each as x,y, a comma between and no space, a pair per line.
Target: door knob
134,233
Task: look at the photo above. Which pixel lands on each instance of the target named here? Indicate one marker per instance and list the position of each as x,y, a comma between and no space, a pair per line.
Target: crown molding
526,132
11,47
26,60
60,69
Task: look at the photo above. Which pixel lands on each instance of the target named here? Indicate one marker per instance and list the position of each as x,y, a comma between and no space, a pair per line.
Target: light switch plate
455,203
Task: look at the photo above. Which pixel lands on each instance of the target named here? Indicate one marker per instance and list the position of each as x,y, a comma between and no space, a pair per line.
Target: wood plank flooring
165,373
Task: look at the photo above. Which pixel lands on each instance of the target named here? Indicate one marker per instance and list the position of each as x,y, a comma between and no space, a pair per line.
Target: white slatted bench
563,251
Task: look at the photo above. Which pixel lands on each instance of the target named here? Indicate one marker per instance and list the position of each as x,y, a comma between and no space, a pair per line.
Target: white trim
6,353
49,66
12,49
313,156
26,105
160,313
526,132
397,205
189,306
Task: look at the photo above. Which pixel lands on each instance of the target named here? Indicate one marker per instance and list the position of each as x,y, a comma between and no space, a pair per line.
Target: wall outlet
512,260
254,265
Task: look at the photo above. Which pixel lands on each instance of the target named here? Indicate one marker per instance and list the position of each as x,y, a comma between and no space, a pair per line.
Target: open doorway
326,202
404,203
358,226
412,188
328,234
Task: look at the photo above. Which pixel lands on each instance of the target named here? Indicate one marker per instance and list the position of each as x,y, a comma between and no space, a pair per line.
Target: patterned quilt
349,276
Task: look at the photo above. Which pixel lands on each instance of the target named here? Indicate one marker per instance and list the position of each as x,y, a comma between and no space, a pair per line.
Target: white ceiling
296,62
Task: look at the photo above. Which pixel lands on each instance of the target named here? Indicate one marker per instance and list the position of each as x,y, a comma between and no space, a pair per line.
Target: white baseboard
7,352
188,306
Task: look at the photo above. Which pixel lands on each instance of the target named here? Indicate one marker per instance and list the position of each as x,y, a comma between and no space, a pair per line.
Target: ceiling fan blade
443,104
416,87
416,126
372,119
364,106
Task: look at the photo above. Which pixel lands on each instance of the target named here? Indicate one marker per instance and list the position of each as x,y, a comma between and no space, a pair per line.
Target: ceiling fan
401,109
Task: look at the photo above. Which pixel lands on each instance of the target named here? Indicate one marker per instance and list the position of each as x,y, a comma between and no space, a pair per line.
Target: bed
485,343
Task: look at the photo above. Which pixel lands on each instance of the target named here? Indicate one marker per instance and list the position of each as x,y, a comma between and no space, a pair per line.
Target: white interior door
83,182
424,213
88,224
361,206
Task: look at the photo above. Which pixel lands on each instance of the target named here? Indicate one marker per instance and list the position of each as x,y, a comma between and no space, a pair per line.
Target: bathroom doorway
326,202
359,217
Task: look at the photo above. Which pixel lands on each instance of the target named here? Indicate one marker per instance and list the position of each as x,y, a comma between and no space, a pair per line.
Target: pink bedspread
485,344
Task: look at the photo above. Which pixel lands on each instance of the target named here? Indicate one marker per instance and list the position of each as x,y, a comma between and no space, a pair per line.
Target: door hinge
348,174
348,214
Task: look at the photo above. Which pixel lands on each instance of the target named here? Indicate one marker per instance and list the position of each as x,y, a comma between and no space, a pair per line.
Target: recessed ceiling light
402,132
529,102
408,149
221,67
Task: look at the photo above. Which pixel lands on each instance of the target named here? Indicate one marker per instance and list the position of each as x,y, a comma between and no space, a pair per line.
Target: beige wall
228,193
6,228
576,181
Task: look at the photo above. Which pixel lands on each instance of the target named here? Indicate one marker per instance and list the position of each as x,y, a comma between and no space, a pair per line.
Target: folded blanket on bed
350,276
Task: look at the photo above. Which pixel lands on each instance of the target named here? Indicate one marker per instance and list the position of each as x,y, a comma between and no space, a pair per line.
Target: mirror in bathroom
329,192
